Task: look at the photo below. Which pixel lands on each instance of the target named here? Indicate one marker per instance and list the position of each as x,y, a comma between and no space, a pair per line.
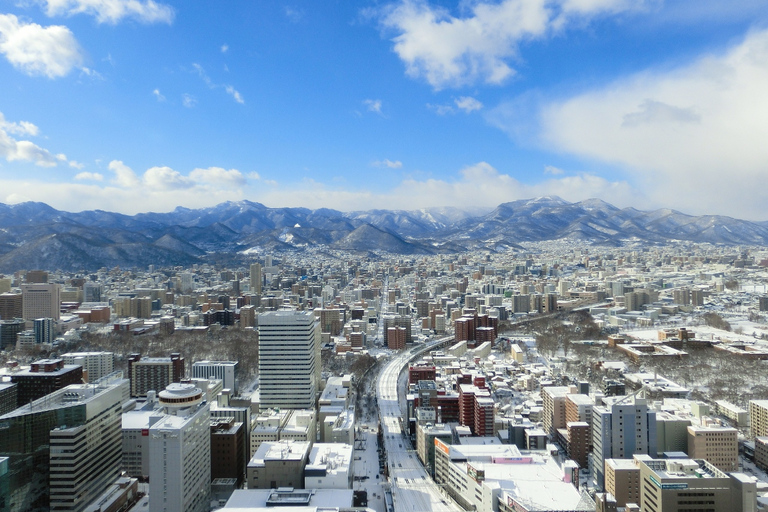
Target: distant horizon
138,106
472,211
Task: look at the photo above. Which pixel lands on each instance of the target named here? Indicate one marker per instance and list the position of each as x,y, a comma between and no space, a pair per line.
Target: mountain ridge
36,233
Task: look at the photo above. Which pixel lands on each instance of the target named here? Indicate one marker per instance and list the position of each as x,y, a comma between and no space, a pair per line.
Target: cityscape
554,377
383,256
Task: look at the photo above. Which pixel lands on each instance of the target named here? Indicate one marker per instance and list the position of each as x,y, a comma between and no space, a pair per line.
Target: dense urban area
555,377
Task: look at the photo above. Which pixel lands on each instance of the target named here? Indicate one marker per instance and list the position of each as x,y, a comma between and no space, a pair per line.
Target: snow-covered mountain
36,235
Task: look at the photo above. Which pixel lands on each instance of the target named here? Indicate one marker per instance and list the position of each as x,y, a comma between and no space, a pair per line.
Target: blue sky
139,105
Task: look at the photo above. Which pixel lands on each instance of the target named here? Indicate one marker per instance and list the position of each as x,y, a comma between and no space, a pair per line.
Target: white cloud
90,176
220,177
235,95
160,189
441,110
20,128
451,51
373,106
254,175
550,169
112,11
203,75
39,51
165,178
188,100
76,165
124,175
397,164
468,104
23,150
224,48
696,133
158,95
479,181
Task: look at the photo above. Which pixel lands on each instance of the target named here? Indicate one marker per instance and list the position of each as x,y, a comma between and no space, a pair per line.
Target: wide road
413,490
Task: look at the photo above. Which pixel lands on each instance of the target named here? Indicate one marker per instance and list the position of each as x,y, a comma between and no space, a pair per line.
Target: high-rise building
10,306
227,447
619,431
718,446
55,460
44,377
95,364
256,278
180,452
40,301
758,417
8,331
92,292
154,373
226,371
553,400
672,485
44,329
289,359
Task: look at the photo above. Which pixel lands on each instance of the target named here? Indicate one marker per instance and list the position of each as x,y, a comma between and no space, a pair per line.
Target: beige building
671,485
718,446
758,417
279,464
553,398
622,480
40,300
761,452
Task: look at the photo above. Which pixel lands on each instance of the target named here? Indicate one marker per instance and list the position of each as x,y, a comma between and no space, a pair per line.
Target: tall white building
256,278
40,300
619,431
180,452
226,371
289,359
97,364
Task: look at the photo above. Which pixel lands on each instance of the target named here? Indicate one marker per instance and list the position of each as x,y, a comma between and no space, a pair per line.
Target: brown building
761,452
553,399
10,306
396,337
154,373
579,441
718,446
227,447
622,480
417,373
43,378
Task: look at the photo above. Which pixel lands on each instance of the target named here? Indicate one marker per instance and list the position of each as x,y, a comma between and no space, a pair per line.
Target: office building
289,360
717,445
329,467
622,480
8,398
758,418
95,364
8,331
180,452
256,279
154,373
495,477
92,292
226,371
10,306
44,329
278,464
619,431
227,447
44,377
40,301
553,398
672,485
54,462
